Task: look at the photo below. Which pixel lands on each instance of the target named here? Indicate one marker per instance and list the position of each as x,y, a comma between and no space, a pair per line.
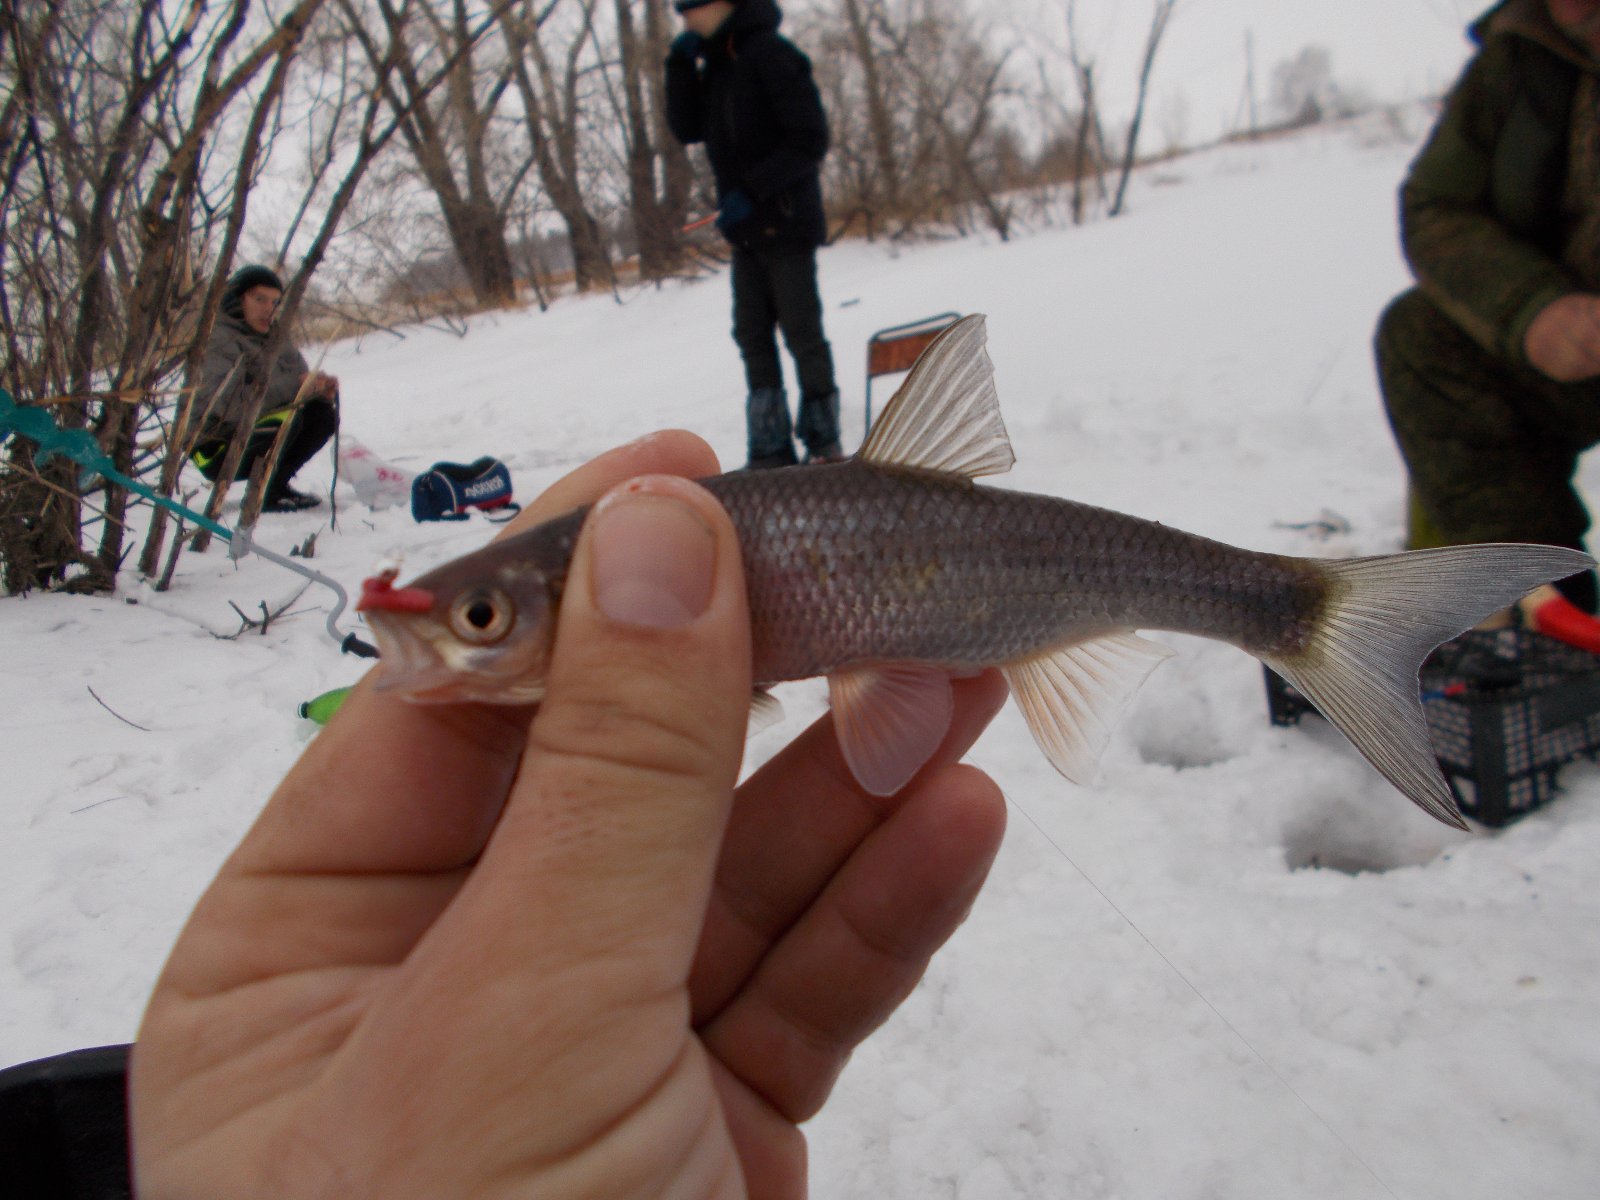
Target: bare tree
451,137
191,408
660,176
1304,91
912,90
1088,143
110,113
1159,18
958,80
385,43
875,88
552,113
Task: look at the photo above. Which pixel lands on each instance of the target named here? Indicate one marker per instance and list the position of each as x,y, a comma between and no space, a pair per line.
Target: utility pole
1250,76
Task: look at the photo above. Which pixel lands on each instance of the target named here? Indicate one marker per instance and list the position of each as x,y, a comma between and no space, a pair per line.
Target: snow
1241,966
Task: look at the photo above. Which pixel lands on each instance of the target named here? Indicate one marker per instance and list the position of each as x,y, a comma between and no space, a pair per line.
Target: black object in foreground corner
64,1127
1505,709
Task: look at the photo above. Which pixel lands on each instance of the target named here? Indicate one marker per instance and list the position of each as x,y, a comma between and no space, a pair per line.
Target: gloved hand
735,211
687,44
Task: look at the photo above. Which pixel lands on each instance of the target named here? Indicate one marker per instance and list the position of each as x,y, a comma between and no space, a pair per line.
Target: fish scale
852,563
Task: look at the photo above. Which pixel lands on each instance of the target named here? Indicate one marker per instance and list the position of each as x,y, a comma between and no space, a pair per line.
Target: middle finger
795,822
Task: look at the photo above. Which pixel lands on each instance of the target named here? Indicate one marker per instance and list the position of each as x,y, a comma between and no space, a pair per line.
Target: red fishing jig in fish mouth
379,594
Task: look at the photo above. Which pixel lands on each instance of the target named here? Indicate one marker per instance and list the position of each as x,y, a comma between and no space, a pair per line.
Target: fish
894,571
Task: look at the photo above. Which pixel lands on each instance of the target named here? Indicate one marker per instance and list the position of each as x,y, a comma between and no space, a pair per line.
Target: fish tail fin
1385,616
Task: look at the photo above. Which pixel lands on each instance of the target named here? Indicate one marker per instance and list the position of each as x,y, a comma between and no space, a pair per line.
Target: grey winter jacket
233,342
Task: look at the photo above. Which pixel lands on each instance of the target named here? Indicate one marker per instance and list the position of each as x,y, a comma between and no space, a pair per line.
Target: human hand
735,210
472,949
1563,341
322,384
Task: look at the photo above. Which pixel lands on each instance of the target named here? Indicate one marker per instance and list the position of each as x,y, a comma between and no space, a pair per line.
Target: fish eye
482,616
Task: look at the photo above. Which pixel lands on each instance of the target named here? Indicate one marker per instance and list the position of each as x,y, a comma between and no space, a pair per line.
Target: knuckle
614,730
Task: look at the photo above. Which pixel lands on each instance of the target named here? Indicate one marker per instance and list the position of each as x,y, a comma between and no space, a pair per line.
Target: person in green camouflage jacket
1490,366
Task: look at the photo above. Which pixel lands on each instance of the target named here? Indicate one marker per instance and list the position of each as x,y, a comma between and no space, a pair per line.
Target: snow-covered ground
1156,997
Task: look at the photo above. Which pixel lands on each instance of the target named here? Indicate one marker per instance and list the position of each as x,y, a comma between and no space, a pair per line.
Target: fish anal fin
946,415
1071,697
765,712
889,720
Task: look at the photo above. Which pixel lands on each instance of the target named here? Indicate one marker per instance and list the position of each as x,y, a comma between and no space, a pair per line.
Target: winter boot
285,499
771,436
819,428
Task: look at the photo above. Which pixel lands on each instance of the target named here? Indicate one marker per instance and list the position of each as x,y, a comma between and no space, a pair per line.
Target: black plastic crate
1505,710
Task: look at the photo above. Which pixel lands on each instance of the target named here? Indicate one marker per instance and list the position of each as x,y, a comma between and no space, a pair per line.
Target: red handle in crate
1563,620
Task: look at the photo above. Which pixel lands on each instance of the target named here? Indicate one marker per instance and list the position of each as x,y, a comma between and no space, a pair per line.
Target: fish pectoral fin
765,712
946,415
889,721
1072,697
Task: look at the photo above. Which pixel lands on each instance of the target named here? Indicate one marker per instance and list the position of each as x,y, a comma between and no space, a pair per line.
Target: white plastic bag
378,484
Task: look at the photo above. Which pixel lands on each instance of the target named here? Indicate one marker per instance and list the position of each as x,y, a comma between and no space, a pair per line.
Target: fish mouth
406,663
411,664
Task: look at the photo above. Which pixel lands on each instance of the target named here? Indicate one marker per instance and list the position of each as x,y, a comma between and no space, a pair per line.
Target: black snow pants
773,290
310,427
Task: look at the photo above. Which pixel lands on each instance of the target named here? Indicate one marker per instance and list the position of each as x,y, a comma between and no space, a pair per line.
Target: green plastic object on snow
324,706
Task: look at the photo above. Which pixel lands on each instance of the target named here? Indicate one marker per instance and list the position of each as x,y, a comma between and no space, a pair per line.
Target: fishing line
1204,999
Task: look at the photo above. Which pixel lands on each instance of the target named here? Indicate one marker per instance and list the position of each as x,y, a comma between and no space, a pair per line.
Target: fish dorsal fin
1071,698
946,415
889,721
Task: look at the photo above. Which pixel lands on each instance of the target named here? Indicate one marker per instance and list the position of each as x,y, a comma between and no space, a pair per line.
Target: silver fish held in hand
893,570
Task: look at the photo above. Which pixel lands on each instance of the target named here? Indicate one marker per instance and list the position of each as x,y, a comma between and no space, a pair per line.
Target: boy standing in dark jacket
1490,366
734,83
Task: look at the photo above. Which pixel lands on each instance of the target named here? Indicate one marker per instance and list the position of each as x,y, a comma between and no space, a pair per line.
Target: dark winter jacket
1500,212
751,99
233,342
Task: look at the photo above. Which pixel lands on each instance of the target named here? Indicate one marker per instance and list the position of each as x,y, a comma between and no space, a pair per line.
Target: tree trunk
658,215
474,221
1158,26
880,118
552,122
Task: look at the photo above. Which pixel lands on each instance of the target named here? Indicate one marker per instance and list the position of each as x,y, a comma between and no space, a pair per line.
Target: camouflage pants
1491,447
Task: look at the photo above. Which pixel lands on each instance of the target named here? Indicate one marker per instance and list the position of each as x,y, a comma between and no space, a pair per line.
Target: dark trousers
1491,447
776,290
310,427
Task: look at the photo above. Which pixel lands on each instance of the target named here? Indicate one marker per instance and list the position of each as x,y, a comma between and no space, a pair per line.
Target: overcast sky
1389,49
1394,49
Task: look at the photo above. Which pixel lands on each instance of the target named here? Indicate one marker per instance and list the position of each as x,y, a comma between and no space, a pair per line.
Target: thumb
614,823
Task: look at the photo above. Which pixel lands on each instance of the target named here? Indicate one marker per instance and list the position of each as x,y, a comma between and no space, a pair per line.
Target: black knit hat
241,281
684,6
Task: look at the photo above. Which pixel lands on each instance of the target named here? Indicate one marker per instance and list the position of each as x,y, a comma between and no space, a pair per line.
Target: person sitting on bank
1490,366
229,374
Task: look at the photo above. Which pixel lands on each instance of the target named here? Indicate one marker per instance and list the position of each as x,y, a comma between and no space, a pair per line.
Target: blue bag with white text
449,491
